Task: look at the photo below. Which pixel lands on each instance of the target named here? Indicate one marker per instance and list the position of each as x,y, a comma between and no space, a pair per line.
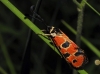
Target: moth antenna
38,17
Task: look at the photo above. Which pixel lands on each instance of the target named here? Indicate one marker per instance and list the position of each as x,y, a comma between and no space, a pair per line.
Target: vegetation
40,59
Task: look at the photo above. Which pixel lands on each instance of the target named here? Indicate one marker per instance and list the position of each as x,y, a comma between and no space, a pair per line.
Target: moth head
53,31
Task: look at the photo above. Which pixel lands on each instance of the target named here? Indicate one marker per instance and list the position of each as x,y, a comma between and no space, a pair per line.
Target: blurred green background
43,59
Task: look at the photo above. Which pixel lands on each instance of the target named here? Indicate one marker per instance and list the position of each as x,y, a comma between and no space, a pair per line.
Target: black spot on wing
66,55
74,61
66,44
80,52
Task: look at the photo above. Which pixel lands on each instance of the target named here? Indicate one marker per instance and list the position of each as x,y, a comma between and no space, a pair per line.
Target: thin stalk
2,71
92,7
80,7
6,55
26,57
79,27
58,4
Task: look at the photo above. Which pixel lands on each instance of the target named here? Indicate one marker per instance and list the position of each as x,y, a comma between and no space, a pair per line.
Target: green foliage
36,30
91,7
7,57
2,71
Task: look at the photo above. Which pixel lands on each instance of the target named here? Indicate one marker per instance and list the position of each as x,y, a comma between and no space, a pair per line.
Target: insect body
69,50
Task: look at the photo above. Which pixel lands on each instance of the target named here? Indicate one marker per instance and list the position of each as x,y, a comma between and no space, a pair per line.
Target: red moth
74,55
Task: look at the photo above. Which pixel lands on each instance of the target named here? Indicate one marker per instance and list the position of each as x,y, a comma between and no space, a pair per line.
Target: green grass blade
82,71
7,57
90,45
92,7
27,22
2,71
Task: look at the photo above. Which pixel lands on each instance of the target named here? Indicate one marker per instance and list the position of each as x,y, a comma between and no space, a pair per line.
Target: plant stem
26,57
92,7
79,26
2,71
6,55
80,7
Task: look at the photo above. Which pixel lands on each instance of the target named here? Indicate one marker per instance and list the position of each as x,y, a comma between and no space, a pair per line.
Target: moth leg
45,35
52,42
43,30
